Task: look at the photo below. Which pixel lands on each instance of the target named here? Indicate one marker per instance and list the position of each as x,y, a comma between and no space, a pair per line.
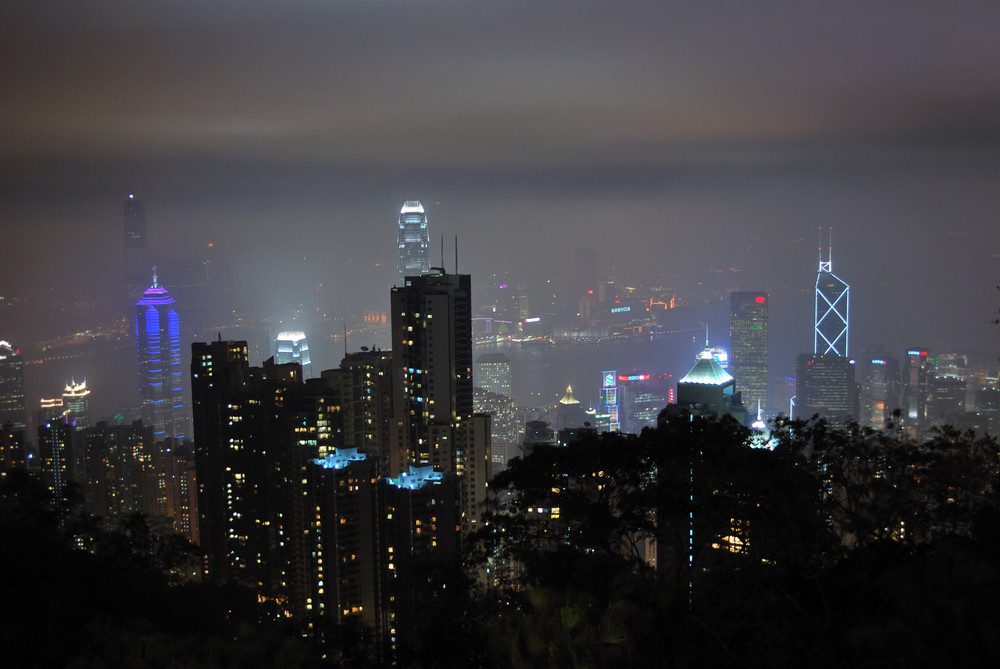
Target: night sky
707,135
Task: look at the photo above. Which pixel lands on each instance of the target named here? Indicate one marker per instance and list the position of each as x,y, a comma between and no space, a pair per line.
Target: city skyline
710,140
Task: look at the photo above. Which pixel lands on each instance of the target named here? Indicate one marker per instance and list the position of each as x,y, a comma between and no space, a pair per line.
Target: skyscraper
11,387
433,418
158,345
881,391
76,400
831,331
825,383
493,373
748,346
826,387
136,254
413,241
292,347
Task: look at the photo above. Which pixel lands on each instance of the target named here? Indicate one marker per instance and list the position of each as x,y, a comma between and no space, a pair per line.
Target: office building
493,373
434,420
12,407
136,253
880,389
76,402
158,343
748,346
918,370
825,380
826,387
831,330
707,390
291,346
413,252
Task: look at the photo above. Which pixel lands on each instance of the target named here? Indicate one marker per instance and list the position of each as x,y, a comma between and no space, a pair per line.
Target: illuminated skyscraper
11,387
826,379
748,346
830,335
158,345
493,373
433,417
413,242
881,391
136,254
76,400
292,347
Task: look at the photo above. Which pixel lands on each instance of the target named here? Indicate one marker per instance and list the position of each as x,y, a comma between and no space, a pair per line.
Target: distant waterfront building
12,407
76,401
291,346
748,346
136,253
493,373
413,252
158,343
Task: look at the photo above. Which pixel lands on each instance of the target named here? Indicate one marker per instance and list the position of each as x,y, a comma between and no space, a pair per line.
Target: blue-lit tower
830,335
413,253
158,345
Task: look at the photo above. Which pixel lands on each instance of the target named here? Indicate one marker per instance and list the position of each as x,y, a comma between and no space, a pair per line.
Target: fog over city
710,140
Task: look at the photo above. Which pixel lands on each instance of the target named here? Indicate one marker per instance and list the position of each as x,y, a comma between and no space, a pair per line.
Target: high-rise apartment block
434,419
748,346
158,344
413,252
12,407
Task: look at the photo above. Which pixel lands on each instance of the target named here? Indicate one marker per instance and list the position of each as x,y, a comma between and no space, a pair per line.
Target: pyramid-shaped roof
707,372
568,397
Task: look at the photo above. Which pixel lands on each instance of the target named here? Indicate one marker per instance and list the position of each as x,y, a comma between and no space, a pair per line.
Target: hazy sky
708,135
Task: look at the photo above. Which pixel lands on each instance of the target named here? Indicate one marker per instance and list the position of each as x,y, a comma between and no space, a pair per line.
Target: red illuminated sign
760,300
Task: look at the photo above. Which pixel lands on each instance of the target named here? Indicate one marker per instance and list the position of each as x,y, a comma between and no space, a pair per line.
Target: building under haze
158,343
291,346
434,419
12,407
413,252
76,402
825,380
748,346
136,253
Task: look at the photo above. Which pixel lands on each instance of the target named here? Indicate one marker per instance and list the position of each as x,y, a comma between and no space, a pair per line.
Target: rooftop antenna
825,265
442,253
706,336
345,339
155,282
456,254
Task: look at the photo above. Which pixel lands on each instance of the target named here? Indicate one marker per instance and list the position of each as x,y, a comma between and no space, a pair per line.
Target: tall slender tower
831,331
158,345
433,418
413,242
136,253
12,409
748,346
826,379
